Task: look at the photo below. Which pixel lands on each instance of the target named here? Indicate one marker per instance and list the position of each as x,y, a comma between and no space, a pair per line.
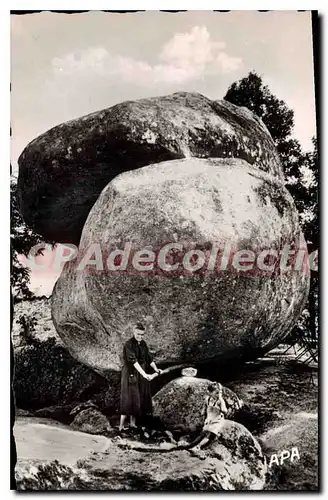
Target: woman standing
135,382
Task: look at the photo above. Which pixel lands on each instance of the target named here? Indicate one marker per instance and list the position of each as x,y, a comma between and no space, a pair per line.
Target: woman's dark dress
135,389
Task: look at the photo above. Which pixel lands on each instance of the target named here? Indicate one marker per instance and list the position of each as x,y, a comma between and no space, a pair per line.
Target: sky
65,66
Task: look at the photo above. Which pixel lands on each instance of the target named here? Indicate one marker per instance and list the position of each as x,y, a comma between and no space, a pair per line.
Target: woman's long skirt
135,394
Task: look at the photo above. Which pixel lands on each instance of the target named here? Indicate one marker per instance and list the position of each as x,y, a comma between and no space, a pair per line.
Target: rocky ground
69,440
54,457
280,410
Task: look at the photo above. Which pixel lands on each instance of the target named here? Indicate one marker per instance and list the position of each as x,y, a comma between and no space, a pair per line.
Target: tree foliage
252,94
22,239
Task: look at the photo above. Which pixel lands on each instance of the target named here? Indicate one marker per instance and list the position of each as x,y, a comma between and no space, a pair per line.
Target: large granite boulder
62,172
181,404
217,312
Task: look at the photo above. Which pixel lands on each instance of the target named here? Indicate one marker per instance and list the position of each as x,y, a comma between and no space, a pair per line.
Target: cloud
185,57
194,48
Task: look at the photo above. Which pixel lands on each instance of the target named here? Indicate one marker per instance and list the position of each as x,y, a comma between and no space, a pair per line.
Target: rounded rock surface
62,172
91,421
181,404
218,312
233,463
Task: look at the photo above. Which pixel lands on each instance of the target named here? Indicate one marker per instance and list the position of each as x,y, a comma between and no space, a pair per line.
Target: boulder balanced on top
62,172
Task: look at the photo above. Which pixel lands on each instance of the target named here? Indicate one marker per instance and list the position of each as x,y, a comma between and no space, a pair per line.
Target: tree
300,169
278,118
275,114
22,239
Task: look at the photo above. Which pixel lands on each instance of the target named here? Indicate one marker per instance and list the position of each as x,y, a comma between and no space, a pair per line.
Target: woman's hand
154,367
150,377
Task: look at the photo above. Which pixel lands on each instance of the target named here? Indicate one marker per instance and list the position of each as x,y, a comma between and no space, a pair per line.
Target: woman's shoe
133,430
123,432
